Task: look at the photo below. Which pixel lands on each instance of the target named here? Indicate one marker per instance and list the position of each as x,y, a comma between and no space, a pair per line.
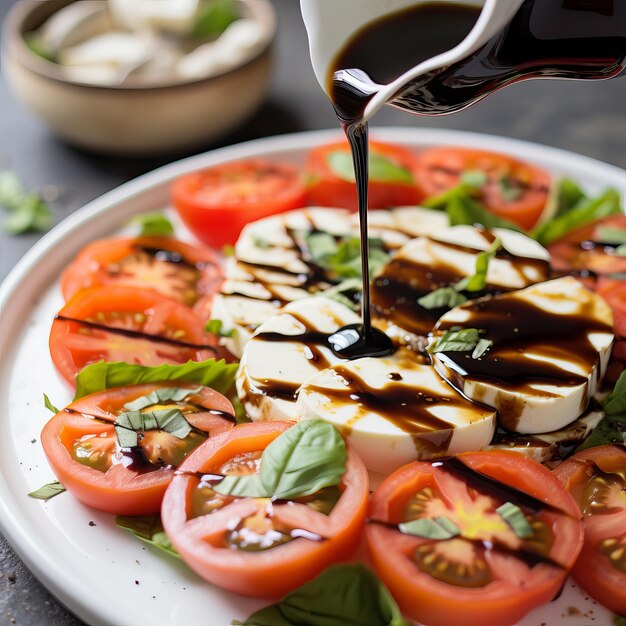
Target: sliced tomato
391,180
216,203
597,479
116,323
614,292
582,250
486,575
254,546
83,451
514,190
189,274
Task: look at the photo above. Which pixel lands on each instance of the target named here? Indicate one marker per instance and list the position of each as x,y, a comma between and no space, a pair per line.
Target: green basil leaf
510,192
478,281
216,327
615,402
474,178
260,242
48,491
153,225
613,236
481,347
27,210
214,17
569,194
49,405
128,424
338,292
515,518
99,376
585,212
342,595
455,341
445,297
431,528
463,209
621,250
160,396
149,529
304,459
381,169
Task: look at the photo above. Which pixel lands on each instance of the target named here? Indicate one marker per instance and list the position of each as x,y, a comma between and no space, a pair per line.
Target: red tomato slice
614,292
597,479
200,522
126,324
440,169
391,181
189,274
486,575
216,203
577,252
83,451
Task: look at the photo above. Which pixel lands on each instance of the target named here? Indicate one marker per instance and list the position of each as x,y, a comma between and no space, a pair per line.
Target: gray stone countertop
585,117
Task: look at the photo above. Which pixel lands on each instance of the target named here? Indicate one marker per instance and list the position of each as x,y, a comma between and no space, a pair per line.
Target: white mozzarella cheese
286,350
394,410
552,342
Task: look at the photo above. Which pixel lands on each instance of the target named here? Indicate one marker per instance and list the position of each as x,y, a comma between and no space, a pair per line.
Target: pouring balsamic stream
552,38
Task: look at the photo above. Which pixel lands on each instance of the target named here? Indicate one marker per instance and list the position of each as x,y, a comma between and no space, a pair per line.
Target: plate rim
51,574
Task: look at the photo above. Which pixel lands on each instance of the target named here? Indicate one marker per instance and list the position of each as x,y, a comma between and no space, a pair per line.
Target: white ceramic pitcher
331,23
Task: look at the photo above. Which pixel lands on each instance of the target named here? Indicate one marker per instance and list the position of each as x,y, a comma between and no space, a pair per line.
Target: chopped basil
455,341
445,297
159,396
153,225
569,194
612,428
466,210
381,169
48,491
481,347
585,212
474,178
338,292
515,518
431,528
615,236
478,281
342,258
342,595
510,192
148,528
128,424
99,376
27,210
49,405
216,327
304,459
214,17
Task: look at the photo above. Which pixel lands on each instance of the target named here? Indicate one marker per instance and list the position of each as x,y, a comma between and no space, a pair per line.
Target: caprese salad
480,463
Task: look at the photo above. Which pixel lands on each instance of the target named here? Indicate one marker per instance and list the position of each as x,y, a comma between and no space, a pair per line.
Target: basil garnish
481,347
431,528
99,376
510,192
49,405
304,459
445,297
48,491
381,168
27,210
515,518
153,225
148,528
216,327
346,595
129,424
338,292
455,341
214,17
612,428
159,396
569,194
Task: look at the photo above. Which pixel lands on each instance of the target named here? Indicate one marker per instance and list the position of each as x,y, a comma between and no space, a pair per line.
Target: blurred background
585,117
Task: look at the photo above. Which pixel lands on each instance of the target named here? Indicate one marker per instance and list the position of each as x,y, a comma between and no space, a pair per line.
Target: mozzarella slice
442,259
551,345
286,350
550,447
394,410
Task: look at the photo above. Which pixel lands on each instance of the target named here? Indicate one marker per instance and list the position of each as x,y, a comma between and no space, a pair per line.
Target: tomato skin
119,490
327,189
91,266
440,169
275,572
614,292
569,256
500,602
71,349
216,203
593,570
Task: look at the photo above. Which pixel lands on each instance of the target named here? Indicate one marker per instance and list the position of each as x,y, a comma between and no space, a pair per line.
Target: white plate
100,572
